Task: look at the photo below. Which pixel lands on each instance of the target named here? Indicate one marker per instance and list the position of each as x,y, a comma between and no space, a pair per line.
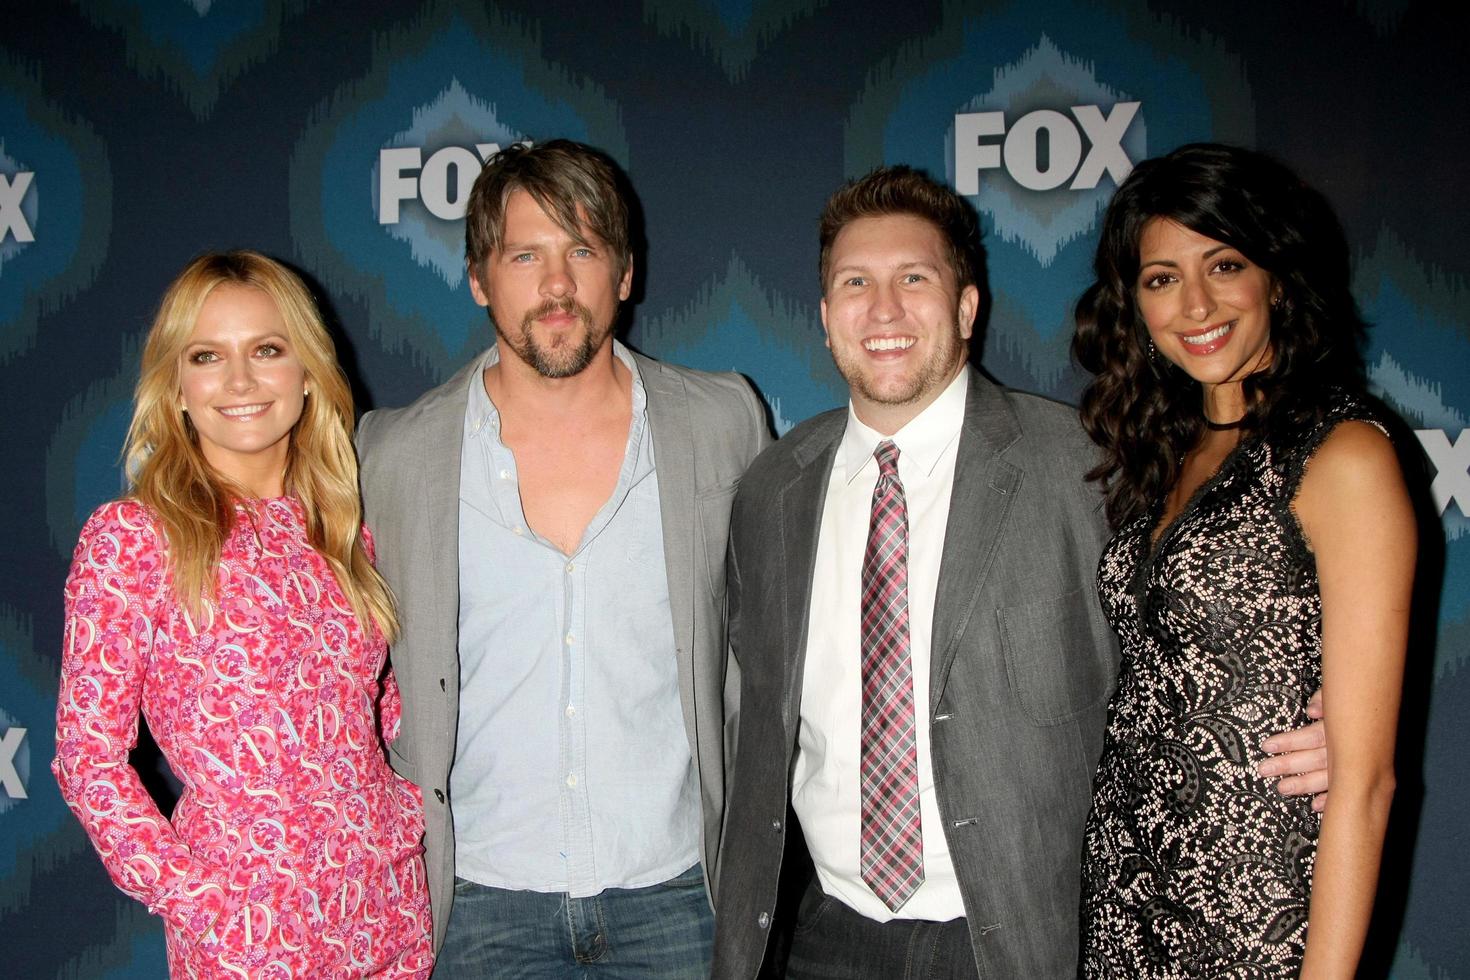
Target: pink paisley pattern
294,851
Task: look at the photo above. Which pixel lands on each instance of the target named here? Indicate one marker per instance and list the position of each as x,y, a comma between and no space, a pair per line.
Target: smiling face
552,296
897,322
243,386
1208,310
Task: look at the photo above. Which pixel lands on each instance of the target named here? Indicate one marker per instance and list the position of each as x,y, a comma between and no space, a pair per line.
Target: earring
305,392
1153,352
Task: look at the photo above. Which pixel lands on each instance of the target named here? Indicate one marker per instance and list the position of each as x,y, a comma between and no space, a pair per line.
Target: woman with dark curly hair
1264,545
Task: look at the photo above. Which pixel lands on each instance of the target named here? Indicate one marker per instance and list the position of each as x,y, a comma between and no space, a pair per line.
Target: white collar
922,441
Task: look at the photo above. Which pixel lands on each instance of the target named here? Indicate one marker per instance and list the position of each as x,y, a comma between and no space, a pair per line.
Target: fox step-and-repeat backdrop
343,138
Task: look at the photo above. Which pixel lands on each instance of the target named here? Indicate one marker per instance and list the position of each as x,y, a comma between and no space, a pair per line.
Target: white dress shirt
827,774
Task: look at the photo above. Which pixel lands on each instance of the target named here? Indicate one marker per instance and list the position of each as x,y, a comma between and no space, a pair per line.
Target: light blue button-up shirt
572,769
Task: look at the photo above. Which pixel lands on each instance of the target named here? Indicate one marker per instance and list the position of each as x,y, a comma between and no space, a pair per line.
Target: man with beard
553,522
924,665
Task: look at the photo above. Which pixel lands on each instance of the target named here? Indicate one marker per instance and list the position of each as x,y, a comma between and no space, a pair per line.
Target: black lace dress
1193,865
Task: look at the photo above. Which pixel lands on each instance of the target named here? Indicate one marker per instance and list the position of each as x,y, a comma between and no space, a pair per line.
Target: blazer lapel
673,456
984,486
800,514
438,490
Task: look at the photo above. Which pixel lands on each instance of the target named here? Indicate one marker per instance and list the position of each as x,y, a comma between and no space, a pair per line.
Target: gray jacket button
439,795
763,920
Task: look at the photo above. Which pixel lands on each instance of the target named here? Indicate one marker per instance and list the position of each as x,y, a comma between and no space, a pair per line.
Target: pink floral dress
294,850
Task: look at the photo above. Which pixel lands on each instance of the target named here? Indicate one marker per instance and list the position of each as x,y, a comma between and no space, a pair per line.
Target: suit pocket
713,518
1059,660
403,760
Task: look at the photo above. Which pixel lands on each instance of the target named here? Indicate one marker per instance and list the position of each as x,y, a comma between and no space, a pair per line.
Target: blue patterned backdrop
342,137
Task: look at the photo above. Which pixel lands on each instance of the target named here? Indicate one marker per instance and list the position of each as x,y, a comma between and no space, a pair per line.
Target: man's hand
1300,758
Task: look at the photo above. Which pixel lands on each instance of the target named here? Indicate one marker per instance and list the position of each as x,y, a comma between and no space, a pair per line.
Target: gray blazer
706,429
1023,664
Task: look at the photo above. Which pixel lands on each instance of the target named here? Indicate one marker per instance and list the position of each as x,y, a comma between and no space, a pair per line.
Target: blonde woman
230,598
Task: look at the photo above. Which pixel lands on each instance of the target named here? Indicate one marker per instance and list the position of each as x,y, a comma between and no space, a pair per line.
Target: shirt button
569,639
571,567
763,920
519,531
505,474
571,710
572,779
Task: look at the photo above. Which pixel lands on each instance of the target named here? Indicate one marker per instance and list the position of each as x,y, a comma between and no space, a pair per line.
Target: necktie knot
887,456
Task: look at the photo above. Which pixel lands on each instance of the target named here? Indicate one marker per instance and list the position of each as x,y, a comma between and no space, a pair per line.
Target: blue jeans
664,932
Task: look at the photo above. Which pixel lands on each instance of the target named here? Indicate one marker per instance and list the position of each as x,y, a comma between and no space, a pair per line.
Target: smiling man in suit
924,665
553,522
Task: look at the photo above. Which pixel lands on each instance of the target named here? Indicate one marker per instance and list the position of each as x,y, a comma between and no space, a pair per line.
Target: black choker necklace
1223,426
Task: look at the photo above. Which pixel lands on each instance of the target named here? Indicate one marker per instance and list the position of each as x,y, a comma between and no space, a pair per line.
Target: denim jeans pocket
814,903
692,878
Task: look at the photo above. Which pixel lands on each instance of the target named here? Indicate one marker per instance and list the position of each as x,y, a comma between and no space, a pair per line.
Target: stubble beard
563,360
933,373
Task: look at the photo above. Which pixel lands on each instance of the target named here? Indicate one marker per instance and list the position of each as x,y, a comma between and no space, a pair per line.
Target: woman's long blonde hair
194,503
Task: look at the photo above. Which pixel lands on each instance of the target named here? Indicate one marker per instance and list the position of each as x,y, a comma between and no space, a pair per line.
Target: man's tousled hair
904,190
576,185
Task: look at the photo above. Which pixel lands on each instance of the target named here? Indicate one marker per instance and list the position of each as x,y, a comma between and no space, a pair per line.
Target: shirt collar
482,415
921,442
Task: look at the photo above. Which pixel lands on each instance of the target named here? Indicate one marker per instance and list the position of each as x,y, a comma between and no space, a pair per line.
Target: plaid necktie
892,838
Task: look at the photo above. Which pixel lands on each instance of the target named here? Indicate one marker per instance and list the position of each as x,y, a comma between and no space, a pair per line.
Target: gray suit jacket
706,429
1022,666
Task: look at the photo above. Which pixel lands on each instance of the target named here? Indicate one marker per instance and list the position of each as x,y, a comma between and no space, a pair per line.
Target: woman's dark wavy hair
1145,413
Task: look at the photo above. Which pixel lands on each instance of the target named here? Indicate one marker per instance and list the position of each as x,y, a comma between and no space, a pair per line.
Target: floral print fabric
294,850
